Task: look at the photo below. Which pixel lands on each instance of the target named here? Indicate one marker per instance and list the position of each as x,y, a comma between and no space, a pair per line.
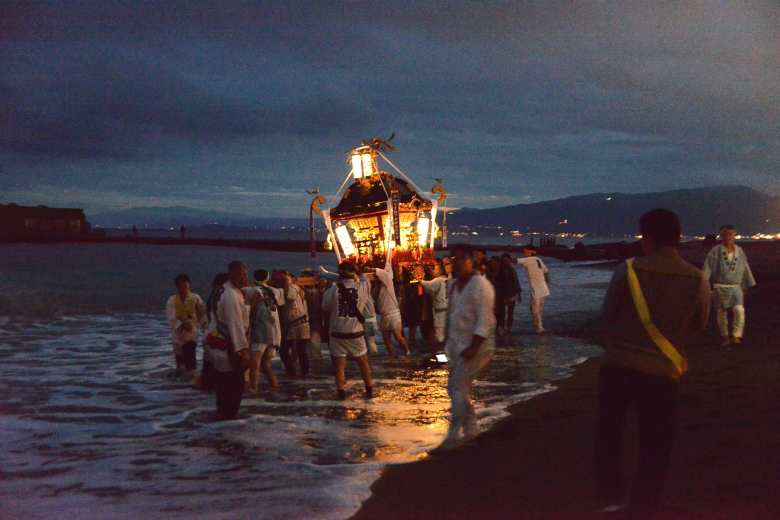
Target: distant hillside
176,216
701,211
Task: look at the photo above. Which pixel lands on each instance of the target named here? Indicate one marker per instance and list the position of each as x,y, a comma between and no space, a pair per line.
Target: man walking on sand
727,268
469,346
537,282
651,304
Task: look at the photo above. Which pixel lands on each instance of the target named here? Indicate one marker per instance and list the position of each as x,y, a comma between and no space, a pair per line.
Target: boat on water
380,213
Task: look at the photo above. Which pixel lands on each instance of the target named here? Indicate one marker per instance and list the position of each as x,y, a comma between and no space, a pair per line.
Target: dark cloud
529,99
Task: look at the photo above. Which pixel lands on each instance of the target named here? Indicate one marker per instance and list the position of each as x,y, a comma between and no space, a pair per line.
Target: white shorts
391,322
343,347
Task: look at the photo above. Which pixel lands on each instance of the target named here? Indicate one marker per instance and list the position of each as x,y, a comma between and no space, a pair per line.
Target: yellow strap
680,363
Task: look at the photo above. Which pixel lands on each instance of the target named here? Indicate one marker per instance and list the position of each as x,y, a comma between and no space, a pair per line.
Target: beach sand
538,463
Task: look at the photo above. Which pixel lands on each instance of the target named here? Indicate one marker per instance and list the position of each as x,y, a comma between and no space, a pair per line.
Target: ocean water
94,424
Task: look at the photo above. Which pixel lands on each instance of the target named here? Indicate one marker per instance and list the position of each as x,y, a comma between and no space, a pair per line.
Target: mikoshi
380,214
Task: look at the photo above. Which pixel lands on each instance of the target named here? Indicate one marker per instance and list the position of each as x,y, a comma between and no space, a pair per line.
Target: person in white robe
346,302
727,268
265,330
537,281
185,312
470,342
437,288
229,342
296,341
387,306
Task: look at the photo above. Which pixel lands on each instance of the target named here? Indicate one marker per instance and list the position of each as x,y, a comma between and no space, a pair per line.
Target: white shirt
438,289
266,329
470,313
296,305
335,304
386,302
234,313
535,269
180,336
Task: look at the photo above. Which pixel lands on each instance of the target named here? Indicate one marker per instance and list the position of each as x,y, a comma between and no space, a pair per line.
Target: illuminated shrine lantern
380,214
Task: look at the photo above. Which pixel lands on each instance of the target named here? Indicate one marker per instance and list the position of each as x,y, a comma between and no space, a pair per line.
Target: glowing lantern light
346,243
357,168
368,165
422,230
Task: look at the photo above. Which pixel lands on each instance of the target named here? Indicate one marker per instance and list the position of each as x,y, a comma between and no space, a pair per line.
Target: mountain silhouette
702,211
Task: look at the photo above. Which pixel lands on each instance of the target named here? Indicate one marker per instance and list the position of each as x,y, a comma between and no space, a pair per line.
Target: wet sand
537,464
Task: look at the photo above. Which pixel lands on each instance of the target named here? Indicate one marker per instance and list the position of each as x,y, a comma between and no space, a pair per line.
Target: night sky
241,107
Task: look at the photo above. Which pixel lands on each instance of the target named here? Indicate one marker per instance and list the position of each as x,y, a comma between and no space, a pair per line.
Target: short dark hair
727,227
181,277
466,249
235,265
483,251
346,267
506,255
260,275
219,279
662,227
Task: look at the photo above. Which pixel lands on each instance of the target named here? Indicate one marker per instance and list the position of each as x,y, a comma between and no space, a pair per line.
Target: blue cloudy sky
242,106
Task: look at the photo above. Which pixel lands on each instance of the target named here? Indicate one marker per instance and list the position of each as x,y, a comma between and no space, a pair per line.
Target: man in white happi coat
265,335
727,268
437,288
387,307
537,280
228,342
346,302
470,342
185,312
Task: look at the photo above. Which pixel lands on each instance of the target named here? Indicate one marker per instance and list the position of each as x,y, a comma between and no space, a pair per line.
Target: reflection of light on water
87,421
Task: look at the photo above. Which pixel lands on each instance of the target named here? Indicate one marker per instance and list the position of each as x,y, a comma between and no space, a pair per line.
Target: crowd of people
460,304
292,316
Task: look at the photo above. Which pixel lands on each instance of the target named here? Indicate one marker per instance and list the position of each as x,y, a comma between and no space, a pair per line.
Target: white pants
462,373
536,312
739,320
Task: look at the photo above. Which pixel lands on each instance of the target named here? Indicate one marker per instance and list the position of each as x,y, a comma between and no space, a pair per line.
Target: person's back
266,328
341,320
386,300
506,282
651,304
346,302
676,294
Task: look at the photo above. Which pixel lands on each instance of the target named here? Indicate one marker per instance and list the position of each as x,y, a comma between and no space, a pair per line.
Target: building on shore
41,222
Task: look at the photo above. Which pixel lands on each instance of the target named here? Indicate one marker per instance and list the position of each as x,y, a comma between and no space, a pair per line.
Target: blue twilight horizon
243,106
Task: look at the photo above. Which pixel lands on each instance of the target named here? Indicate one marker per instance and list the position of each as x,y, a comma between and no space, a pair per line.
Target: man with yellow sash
651,305
185,312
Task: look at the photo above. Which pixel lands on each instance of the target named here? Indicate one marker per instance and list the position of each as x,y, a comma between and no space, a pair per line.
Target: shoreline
537,463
